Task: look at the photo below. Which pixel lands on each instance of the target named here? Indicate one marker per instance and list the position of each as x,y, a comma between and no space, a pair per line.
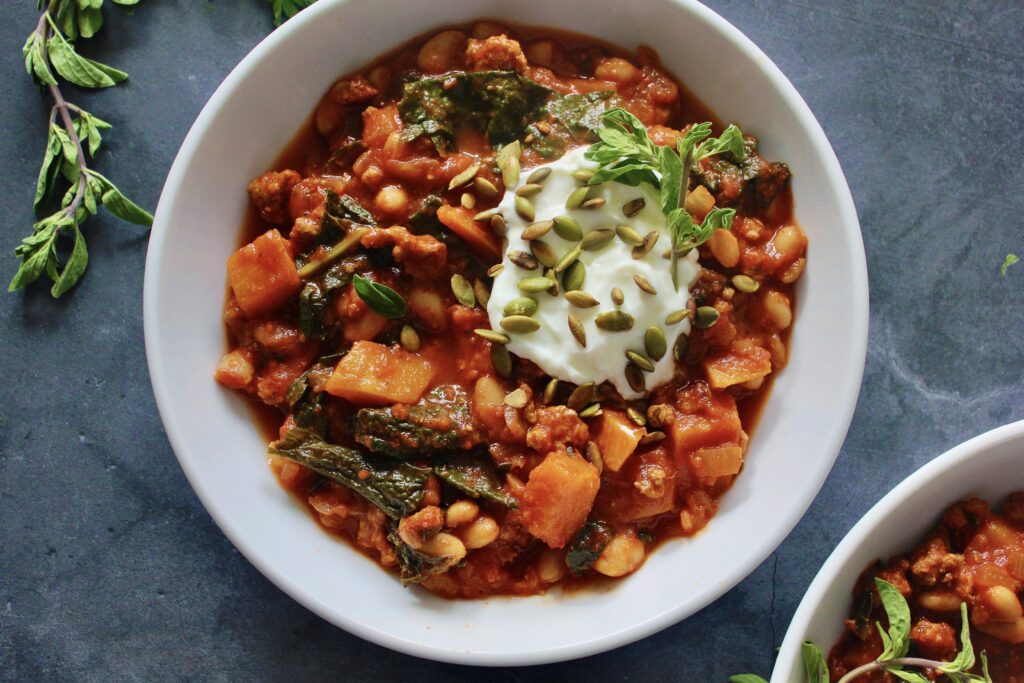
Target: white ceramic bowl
989,466
250,118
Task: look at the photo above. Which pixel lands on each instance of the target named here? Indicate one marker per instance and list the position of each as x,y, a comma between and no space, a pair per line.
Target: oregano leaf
78,69
381,298
814,663
73,268
897,610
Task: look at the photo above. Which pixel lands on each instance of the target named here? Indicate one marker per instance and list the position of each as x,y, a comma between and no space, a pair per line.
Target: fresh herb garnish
49,52
1007,262
627,155
286,9
381,298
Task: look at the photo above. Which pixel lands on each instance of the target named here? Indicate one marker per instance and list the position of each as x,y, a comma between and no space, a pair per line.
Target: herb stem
684,189
888,664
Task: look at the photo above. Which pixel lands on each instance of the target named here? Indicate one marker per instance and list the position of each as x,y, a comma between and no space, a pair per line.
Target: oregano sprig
73,136
627,155
286,9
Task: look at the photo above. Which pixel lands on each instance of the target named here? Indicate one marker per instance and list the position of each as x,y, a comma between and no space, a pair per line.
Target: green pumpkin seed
655,343
629,235
651,437
525,209
635,378
483,294
494,270
677,317
650,239
617,296
536,230
523,305
409,338
484,187
583,175
539,176
523,260
706,317
512,149
679,348
568,229
593,410
510,172
549,391
498,225
544,253
567,260
614,321
593,203
577,197
464,177
485,215
467,201
580,396
597,239
636,416
519,324
575,275
550,274
516,399
640,360
745,283
463,291
529,190
492,335
536,284
593,453
644,284
578,333
501,359
580,299
633,207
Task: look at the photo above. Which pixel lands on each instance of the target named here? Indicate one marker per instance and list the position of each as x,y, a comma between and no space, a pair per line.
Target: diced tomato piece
262,274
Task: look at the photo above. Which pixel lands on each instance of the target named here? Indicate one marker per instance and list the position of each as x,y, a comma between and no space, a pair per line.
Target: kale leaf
415,565
587,546
441,421
475,475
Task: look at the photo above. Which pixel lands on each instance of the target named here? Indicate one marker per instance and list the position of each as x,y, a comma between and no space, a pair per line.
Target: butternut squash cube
262,274
617,436
372,373
741,363
558,497
717,461
719,424
480,239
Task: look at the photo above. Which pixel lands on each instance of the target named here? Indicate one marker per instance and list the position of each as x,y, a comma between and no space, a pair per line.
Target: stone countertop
111,569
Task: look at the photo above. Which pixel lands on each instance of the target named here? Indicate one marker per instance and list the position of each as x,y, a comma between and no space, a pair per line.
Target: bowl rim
865,528
831,443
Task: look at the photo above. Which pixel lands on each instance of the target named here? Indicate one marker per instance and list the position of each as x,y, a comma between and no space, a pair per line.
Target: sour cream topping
553,347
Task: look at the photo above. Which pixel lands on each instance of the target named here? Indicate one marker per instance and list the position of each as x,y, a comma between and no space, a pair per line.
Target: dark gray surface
110,569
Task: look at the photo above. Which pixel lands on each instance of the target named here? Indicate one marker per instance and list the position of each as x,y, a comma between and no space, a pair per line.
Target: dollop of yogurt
553,347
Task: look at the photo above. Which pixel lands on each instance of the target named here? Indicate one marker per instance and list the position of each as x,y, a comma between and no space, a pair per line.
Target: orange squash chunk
372,373
718,461
617,437
743,362
558,497
262,274
717,425
480,239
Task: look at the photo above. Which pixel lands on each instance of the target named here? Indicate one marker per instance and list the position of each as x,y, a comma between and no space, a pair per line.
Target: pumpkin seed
483,294
597,239
577,197
535,284
539,176
633,207
634,377
494,270
498,225
667,254
549,391
485,215
523,305
578,333
636,416
574,276
629,235
536,230
485,187
467,201
651,437
464,177
522,259
567,260
617,296
409,338
640,360
525,209
655,343
519,324
650,239
593,203
593,453
516,399
745,283
529,189
679,348
568,229
583,175
580,299
614,321
501,359
580,396
706,317
677,317
550,274
463,291
593,410
492,335
644,284
508,163
544,252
